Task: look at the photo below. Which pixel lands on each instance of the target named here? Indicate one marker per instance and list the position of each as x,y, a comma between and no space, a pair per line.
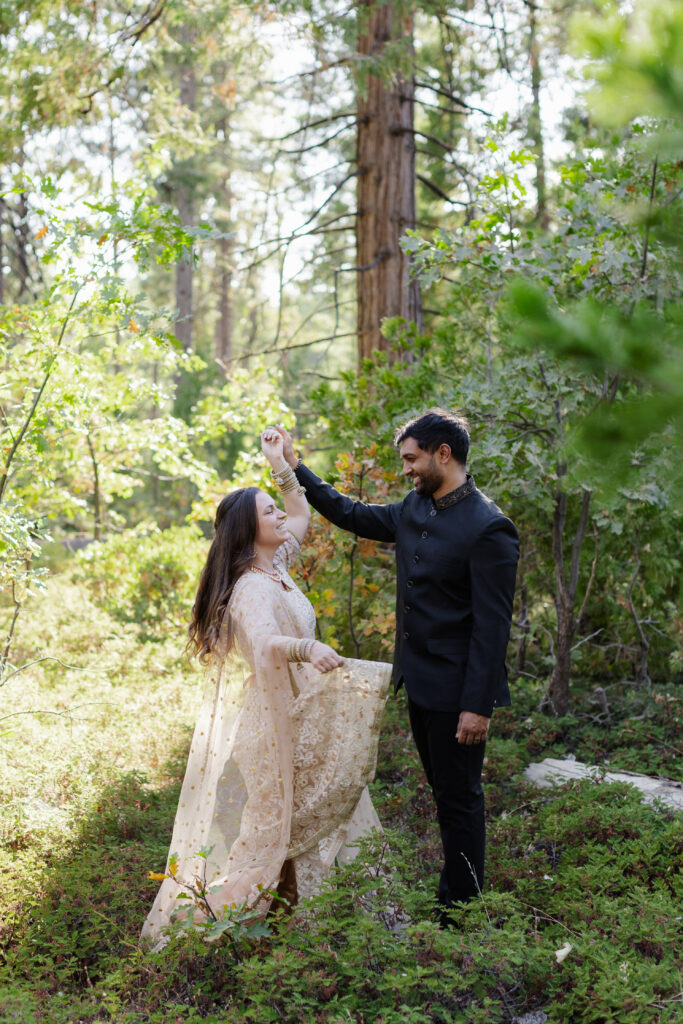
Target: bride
275,789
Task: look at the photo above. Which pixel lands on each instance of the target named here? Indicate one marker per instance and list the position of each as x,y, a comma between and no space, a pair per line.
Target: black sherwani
456,561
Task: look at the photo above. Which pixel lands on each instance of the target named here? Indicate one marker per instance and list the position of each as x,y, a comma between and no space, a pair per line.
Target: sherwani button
406,635
424,533
406,607
433,512
410,583
416,558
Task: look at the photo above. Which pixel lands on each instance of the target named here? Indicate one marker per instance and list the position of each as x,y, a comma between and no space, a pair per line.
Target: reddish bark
386,189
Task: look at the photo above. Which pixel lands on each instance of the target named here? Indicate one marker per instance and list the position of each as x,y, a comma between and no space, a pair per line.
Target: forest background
214,216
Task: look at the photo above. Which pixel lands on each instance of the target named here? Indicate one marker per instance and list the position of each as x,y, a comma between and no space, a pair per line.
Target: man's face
420,467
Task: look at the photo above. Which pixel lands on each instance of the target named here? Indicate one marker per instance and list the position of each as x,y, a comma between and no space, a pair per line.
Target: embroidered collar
453,497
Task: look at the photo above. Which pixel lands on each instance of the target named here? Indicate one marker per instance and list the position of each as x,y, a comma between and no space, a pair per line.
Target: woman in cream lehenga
286,739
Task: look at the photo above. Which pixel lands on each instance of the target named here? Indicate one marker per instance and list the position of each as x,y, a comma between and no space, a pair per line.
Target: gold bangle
287,481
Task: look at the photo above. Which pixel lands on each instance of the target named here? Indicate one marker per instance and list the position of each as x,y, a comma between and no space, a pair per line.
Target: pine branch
314,124
449,95
435,188
317,145
151,15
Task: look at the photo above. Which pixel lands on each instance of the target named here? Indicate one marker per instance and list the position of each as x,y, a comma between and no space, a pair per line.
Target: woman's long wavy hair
230,555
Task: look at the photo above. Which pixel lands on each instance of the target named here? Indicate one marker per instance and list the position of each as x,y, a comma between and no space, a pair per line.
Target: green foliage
82,423
637,53
146,576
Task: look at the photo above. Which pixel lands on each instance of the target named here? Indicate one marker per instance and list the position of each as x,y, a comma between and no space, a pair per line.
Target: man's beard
430,480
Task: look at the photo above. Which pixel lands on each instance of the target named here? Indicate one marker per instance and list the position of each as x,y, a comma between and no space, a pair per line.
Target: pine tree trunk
535,122
386,190
97,497
224,322
2,249
188,98
22,240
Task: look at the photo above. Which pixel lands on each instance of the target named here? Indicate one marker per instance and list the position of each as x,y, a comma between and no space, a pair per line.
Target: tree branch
319,144
39,394
442,195
449,95
314,124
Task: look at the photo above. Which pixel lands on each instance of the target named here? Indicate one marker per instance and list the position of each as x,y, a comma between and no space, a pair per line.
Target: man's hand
472,728
272,447
287,446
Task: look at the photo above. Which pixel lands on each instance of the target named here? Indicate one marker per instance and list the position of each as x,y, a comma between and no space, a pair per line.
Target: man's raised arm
376,522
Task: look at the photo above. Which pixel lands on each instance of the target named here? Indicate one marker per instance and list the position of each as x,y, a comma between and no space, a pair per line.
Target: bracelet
300,649
286,481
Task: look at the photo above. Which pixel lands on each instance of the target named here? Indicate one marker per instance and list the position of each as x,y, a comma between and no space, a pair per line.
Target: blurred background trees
213,217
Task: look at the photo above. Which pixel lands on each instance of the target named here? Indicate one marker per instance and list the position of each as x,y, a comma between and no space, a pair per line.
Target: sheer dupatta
279,759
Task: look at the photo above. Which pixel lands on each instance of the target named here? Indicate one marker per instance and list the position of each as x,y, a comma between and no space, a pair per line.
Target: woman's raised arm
296,506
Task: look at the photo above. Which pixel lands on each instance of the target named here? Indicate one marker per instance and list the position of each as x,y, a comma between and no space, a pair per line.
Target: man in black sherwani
456,559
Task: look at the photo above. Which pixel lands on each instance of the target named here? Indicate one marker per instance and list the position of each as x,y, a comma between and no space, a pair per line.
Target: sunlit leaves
638,52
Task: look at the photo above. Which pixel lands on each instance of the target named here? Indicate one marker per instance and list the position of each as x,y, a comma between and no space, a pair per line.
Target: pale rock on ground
552,771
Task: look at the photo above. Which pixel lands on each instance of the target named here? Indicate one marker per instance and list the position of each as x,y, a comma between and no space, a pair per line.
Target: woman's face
270,522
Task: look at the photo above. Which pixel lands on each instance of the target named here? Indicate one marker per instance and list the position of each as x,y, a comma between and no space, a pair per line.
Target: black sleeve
493,566
376,522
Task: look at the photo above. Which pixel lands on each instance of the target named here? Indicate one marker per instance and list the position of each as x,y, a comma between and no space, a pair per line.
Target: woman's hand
272,447
325,658
288,450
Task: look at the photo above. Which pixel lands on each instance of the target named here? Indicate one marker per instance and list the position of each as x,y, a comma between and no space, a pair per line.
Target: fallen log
553,771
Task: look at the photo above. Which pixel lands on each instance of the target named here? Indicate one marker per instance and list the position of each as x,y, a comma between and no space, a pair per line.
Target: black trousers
453,771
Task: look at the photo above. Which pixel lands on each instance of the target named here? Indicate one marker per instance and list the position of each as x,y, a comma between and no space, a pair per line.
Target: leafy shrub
147,578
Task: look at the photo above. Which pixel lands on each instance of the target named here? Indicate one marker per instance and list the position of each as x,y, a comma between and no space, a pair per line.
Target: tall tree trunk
2,248
224,323
386,188
22,238
225,318
523,623
188,98
97,496
642,672
566,584
535,127
116,266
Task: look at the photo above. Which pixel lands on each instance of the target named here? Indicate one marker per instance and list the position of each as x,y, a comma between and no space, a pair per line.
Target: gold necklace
272,574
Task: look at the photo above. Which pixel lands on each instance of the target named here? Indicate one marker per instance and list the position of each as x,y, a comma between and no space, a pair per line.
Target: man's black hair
434,428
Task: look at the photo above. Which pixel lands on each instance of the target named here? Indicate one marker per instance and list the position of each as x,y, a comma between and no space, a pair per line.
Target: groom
456,559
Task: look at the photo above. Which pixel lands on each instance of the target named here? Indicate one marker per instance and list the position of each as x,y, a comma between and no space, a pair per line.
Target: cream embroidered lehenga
280,759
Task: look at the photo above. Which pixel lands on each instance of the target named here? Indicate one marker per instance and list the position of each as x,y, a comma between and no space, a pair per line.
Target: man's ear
444,453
